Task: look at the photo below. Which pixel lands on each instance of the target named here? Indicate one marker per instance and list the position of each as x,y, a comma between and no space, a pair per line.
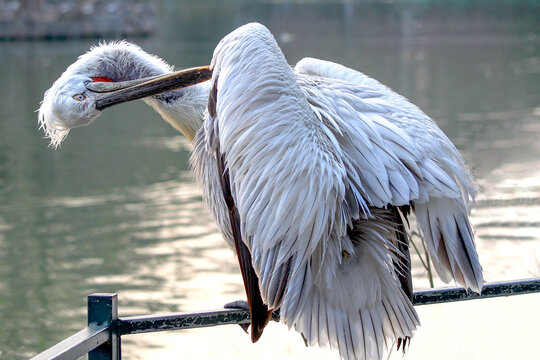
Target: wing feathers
402,158
449,240
260,315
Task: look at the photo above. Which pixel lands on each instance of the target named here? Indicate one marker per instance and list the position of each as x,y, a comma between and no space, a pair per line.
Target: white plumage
321,164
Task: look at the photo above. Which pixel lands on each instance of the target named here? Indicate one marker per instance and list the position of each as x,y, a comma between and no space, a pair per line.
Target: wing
400,157
315,244
286,174
406,156
210,169
260,315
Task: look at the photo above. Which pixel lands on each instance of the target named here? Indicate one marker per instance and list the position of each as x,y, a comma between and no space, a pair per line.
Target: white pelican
310,174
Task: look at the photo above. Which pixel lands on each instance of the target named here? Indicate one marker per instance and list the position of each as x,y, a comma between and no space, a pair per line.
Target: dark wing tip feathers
260,315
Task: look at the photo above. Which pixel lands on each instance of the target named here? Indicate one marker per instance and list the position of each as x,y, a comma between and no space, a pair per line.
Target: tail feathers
360,312
449,239
360,333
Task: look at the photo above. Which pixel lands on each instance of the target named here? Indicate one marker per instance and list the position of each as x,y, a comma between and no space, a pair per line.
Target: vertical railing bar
103,309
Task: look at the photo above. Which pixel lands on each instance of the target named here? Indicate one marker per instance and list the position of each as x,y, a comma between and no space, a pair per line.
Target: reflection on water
116,209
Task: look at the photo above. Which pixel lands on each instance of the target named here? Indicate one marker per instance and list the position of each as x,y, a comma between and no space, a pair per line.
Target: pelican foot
242,305
238,304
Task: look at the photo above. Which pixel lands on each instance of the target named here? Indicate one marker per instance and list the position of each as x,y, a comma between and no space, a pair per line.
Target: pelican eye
79,97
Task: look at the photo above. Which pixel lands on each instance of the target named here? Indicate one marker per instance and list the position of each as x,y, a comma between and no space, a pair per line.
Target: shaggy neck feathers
121,61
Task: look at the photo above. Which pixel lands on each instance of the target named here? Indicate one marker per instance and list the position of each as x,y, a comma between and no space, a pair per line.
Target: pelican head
110,74
67,104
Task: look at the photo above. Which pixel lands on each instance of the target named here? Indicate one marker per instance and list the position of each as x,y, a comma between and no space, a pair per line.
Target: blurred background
117,210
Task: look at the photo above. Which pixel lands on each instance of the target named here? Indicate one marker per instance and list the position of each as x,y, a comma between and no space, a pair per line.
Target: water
116,209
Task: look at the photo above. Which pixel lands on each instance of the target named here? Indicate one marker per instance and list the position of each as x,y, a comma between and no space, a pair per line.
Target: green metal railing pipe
101,340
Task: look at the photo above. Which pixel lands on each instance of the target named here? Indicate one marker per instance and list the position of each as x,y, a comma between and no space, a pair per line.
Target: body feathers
316,159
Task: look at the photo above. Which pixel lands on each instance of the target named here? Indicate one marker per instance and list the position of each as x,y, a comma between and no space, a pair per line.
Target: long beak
112,93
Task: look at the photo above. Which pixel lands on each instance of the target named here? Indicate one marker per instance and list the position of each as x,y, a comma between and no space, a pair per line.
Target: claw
245,327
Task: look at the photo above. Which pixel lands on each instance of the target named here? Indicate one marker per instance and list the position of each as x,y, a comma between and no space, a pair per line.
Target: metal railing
101,340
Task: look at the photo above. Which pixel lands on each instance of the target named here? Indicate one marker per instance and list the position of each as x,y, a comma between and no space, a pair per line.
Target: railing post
103,309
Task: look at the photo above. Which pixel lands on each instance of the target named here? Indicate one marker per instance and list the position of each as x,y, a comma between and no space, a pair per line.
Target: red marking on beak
101,79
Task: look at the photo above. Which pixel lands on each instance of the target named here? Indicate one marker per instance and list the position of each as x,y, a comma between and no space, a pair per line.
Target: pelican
310,172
